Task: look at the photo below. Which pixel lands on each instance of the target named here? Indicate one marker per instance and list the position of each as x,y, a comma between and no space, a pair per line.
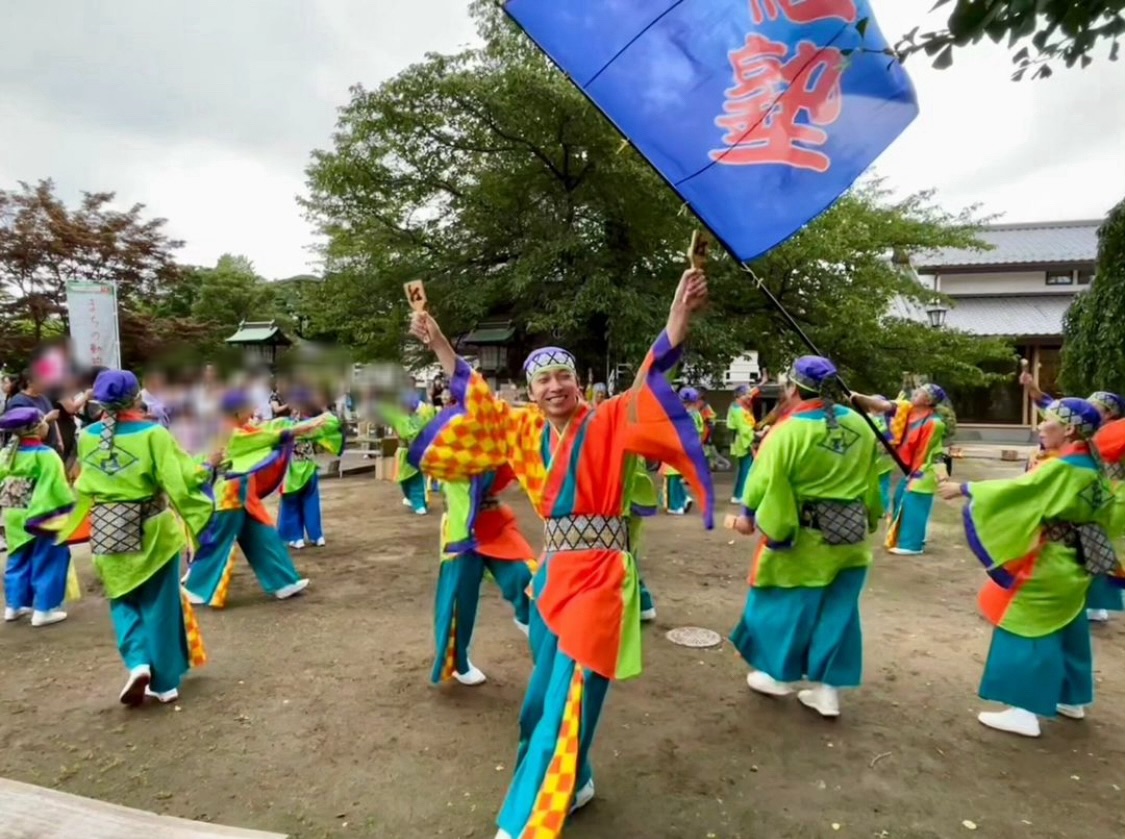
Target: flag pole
761,285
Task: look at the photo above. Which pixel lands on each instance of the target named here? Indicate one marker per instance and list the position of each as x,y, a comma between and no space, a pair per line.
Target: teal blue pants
1038,674
455,605
541,720
414,491
149,622
885,491
264,550
913,510
805,633
1102,595
677,499
741,476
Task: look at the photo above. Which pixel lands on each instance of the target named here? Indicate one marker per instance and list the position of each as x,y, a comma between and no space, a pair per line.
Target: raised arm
872,404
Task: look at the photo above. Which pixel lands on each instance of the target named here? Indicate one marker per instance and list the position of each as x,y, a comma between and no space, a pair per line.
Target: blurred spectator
27,392
154,397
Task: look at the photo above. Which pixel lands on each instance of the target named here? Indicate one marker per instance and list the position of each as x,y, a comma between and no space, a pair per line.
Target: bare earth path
315,717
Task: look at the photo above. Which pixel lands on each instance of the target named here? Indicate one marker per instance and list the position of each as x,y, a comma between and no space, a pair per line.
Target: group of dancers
162,524
814,491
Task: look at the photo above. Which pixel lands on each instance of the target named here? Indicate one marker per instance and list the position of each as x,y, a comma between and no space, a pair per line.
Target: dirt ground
315,716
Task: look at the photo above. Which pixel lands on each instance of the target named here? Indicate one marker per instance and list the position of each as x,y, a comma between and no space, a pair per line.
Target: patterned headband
1075,413
547,359
1111,403
935,392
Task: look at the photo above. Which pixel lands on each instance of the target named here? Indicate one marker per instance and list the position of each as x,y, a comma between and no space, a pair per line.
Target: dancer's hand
217,458
744,525
950,490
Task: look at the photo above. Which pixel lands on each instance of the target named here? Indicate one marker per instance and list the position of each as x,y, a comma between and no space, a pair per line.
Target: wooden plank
29,812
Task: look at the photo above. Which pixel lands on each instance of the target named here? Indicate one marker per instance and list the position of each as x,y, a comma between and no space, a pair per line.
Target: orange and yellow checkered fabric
197,652
900,421
450,666
219,601
557,793
489,434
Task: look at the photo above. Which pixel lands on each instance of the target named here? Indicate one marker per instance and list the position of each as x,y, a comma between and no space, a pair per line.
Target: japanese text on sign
784,95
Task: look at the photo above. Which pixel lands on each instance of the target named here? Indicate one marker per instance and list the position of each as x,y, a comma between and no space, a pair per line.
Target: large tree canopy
488,175
1094,335
1037,31
44,244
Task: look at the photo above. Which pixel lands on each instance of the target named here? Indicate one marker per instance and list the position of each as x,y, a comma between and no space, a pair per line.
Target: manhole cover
694,636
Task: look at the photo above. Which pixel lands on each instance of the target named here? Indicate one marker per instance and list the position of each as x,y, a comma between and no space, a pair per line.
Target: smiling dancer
573,461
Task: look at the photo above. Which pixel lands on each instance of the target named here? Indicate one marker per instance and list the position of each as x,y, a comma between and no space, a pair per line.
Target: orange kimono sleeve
655,424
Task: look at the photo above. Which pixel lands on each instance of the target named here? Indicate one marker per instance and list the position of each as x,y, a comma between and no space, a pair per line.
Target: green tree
44,244
230,293
1037,31
1094,332
488,175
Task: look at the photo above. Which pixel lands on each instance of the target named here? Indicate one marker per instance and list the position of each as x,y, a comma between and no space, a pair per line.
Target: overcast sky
206,112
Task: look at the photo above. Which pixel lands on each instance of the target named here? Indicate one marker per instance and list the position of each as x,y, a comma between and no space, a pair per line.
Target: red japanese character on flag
803,11
770,95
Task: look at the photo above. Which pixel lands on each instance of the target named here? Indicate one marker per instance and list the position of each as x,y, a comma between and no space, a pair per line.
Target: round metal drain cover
695,637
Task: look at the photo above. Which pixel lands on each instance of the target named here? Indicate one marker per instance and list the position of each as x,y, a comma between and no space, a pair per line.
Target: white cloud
208,114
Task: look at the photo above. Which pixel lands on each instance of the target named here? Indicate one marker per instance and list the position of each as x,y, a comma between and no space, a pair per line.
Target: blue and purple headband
812,372
1112,404
935,392
548,359
689,395
116,390
1078,414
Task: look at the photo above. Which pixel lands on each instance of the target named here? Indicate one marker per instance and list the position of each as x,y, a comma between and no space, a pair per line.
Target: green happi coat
1007,523
38,469
145,463
798,462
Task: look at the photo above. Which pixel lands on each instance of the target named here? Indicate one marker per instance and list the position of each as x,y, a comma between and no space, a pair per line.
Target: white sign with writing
92,308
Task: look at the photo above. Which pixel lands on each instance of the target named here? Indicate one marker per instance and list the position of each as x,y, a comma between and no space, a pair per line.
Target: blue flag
760,113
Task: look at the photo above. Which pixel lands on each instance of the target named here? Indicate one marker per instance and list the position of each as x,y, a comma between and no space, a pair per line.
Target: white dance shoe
11,614
522,627
299,545
285,592
1012,720
163,697
47,618
648,615
823,699
1097,615
133,694
471,677
767,684
1071,712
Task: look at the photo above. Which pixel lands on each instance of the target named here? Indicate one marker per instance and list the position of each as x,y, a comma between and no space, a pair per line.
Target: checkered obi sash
1095,549
15,492
586,533
117,527
840,522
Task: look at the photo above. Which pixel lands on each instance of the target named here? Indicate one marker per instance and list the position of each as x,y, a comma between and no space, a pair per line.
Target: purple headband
546,359
689,394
